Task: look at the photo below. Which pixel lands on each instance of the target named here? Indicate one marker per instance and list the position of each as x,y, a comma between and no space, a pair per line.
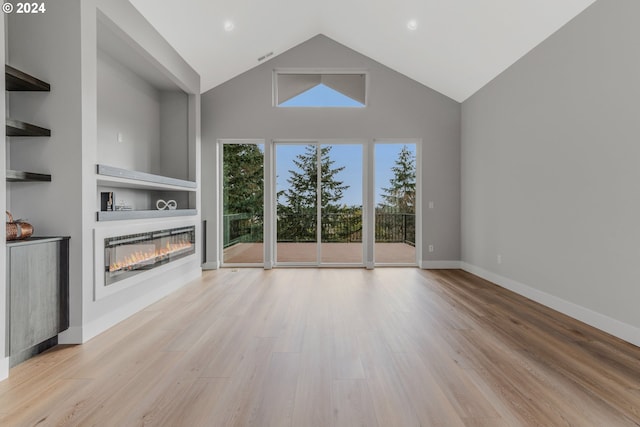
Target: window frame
354,71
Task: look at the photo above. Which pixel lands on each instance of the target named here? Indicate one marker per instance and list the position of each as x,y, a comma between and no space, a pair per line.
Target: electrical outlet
120,137
430,248
430,205
499,259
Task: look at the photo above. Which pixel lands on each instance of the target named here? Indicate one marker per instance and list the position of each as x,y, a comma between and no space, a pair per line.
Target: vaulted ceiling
457,46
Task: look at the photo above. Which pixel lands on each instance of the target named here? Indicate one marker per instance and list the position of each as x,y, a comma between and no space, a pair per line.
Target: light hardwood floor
334,347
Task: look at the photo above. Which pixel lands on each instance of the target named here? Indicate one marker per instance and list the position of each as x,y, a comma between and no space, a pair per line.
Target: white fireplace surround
101,290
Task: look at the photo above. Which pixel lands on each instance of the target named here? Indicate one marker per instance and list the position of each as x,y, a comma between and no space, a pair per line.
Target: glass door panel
243,203
395,210
296,204
341,203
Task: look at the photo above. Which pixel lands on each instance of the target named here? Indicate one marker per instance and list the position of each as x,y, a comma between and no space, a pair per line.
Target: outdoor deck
338,253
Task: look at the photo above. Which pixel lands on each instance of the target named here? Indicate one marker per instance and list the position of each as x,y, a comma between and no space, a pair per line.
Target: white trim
440,265
607,324
73,335
4,368
210,265
418,201
369,209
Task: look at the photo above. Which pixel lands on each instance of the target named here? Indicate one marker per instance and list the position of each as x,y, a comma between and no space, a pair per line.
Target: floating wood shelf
122,178
18,128
147,214
20,176
17,80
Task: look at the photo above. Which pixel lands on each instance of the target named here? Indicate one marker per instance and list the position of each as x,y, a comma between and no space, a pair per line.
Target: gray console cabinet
37,295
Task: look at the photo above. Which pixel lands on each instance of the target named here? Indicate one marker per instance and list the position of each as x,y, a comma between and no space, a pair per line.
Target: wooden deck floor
334,347
339,253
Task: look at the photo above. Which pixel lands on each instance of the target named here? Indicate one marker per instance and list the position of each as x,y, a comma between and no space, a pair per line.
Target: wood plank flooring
334,347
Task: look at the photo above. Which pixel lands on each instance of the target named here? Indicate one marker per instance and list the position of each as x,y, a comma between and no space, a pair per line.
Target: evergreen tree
297,213
243,178
243,182
400,196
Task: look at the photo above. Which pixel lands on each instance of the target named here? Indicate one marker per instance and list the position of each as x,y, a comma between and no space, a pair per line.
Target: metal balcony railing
337,227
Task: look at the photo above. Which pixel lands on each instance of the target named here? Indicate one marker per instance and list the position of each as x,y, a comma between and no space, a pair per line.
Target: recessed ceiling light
229,26
412,25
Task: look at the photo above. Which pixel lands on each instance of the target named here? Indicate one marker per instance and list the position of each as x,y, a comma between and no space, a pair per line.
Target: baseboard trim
600,321
73,335
211,265
4,368
440,265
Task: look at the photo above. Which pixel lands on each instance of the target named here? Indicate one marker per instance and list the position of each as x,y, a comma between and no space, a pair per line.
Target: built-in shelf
17,80
20,176
18,128
147,214
110,176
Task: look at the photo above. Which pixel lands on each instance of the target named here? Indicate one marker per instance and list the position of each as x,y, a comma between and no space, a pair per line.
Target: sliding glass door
395,203
242,203
319,209
325,203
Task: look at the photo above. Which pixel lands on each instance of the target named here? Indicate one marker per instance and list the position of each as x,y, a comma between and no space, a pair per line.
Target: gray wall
4,361
129,105
48,46
397,108
174,133
550,167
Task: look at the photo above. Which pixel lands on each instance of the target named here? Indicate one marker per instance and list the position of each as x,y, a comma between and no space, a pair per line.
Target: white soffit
457,47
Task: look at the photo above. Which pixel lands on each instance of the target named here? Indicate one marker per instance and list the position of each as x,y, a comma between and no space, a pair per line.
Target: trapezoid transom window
332,90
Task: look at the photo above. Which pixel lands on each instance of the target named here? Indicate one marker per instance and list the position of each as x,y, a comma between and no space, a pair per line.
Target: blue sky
321,96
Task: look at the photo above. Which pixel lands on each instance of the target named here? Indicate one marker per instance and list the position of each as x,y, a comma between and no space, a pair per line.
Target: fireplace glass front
126,256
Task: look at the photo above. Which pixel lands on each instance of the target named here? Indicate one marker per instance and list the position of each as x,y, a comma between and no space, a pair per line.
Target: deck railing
337,227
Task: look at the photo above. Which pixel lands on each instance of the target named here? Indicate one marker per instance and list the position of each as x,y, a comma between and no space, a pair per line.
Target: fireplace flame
130,262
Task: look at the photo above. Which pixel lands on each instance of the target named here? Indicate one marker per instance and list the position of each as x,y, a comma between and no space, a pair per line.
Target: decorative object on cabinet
169,204
106,201
18,229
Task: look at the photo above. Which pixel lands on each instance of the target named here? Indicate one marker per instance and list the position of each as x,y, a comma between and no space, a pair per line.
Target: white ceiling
458,47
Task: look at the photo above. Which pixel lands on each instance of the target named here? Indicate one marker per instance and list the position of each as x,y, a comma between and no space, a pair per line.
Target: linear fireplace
128,255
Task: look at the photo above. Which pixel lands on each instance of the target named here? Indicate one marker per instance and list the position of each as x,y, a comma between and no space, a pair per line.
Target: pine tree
243,178
243,182
297,213
400,196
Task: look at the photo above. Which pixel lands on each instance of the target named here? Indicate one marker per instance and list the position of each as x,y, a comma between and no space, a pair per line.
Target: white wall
397,107
550,171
